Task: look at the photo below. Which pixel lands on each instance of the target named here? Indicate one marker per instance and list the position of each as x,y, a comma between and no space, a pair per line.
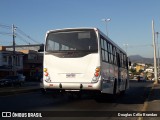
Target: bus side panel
122,80
107,76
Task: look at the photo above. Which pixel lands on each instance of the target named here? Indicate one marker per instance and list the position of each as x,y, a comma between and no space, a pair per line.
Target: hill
138,58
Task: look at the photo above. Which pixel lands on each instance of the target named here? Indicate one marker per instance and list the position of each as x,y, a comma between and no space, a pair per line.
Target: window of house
18,60
4,58
9,60
32,57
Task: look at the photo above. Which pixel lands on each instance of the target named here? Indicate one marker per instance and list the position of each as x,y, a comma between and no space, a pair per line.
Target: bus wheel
115,87
123,92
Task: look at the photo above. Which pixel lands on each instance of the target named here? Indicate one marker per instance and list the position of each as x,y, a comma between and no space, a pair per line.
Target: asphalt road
133,100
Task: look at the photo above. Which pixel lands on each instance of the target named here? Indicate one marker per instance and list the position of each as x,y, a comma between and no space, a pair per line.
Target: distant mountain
138,58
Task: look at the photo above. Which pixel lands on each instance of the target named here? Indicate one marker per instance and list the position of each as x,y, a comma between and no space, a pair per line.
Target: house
28,60
34,47
150,69
140,67
33,65
10,64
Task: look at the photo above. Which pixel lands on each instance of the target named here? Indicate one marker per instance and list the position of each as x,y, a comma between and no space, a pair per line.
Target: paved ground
26,87
154,99
152,102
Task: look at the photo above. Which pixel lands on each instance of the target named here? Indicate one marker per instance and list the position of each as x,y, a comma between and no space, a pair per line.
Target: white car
21,77
153,79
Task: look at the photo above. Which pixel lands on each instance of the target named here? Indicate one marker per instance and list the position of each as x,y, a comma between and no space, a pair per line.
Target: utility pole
155,61
14,54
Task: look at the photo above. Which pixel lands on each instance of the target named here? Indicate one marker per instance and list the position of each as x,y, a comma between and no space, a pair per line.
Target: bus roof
91,28
71,29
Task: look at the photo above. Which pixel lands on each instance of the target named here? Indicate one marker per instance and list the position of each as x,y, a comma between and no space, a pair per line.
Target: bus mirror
129,63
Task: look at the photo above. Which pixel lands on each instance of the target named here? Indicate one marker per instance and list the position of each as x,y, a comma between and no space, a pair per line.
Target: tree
133,71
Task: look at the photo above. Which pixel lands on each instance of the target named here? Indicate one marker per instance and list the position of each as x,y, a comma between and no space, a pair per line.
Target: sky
130,24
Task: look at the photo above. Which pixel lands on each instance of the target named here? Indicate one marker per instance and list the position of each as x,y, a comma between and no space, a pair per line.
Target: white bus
83,59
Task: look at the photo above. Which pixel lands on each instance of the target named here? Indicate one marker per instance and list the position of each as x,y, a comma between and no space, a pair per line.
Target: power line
5,26
24,34
21,38
21,34
5,33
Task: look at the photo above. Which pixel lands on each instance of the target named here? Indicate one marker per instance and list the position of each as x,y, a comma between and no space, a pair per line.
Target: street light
106,21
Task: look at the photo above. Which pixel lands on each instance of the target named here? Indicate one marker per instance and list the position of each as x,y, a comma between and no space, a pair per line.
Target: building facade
33,65
10,64
27,60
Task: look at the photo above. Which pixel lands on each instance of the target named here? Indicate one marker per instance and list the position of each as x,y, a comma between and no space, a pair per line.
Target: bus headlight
96,75
45,70
47,79
94,80
46,75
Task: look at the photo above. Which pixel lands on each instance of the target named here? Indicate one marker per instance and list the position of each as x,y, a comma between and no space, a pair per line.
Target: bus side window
127,63
118,60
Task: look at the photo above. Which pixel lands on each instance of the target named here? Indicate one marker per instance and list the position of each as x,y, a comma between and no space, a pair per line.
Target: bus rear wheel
115,87
124,91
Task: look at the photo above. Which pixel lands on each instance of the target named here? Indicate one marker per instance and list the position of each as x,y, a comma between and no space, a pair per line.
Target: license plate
70,75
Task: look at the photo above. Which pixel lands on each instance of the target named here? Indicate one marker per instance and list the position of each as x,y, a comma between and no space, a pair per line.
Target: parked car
153,79
22,77
12,80
140,78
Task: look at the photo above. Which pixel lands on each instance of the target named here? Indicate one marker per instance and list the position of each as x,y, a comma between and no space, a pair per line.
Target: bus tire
124,91
115,87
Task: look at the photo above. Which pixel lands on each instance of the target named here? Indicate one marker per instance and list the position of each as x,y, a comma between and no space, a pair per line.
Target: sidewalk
154,99
152,104
26,87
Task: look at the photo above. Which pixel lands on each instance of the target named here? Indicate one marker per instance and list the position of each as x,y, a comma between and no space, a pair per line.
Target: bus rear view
72,60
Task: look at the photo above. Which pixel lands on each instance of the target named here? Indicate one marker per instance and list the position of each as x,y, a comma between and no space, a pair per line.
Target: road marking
144,108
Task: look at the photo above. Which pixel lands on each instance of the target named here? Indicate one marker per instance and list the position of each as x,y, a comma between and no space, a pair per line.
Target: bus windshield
72,40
